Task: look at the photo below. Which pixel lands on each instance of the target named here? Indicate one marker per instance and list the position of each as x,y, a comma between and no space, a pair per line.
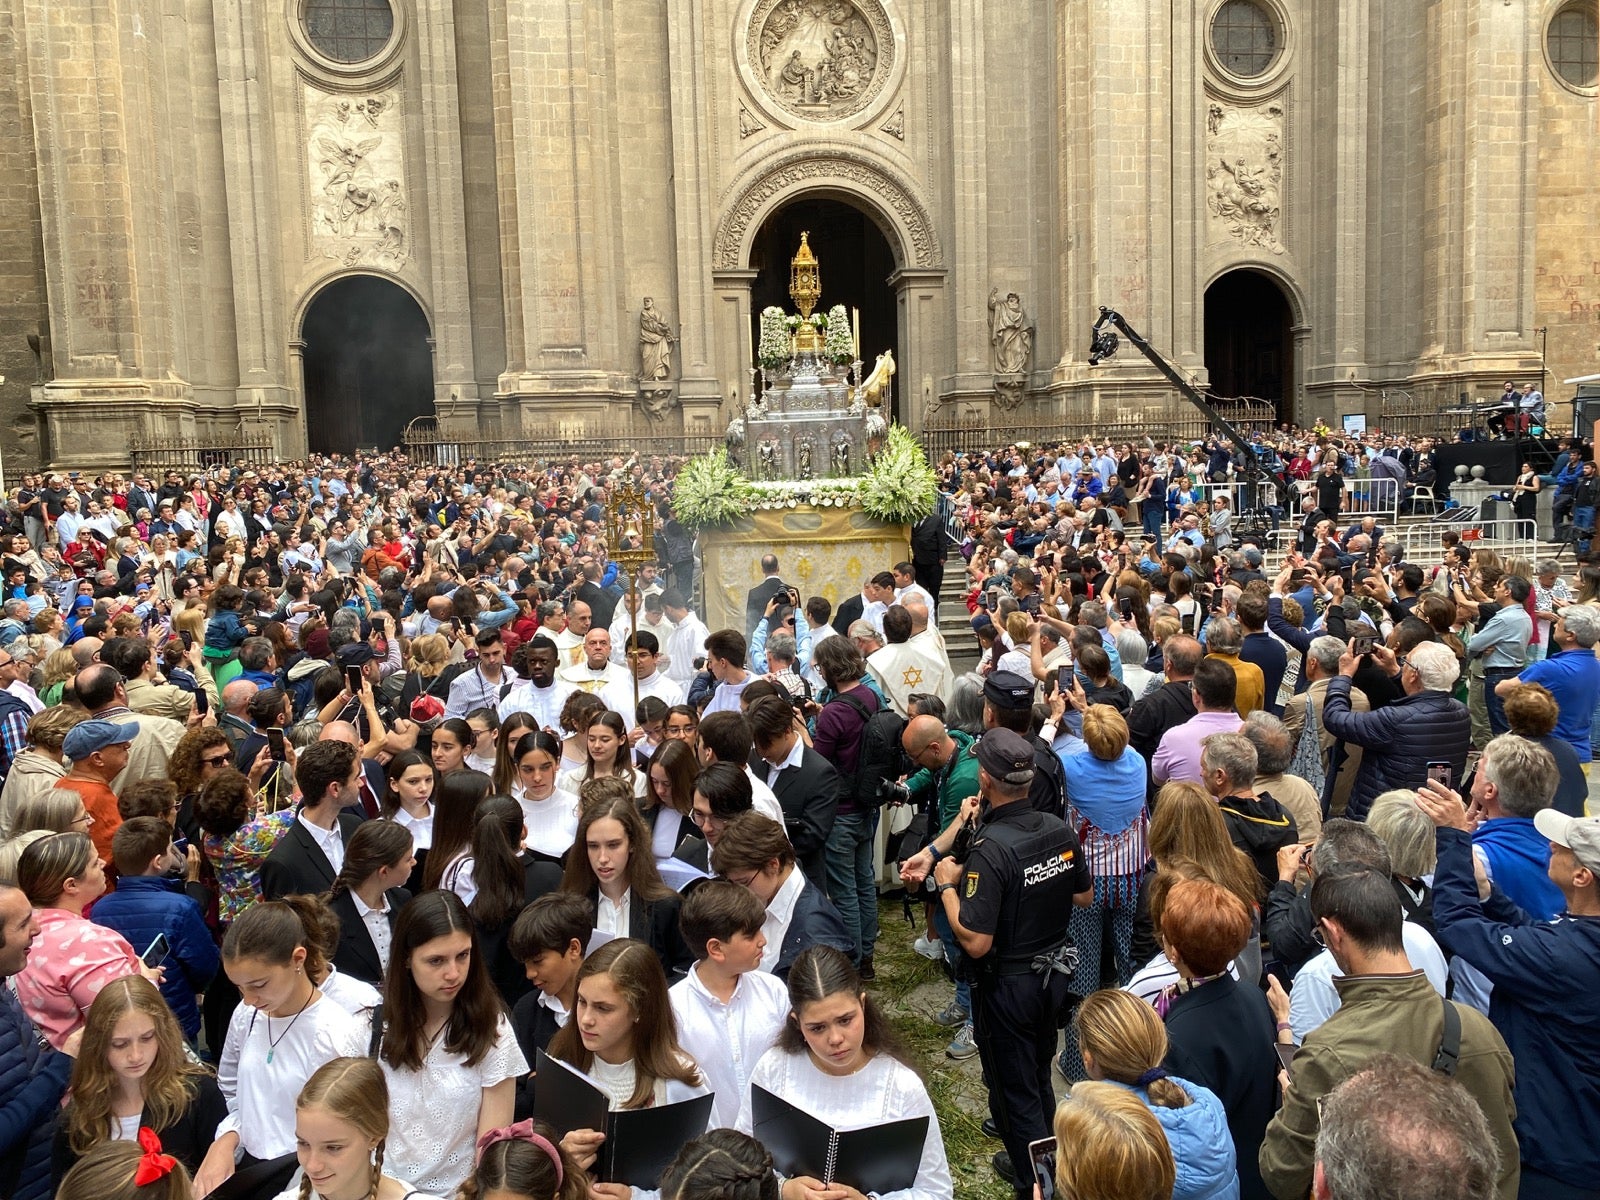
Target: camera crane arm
1103,345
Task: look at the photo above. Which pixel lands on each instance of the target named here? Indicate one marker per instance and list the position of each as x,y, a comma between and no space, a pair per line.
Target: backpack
879,755
1307,761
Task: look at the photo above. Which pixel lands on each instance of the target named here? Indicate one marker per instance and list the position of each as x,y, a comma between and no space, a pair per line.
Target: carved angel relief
821,59
356,175
1244,173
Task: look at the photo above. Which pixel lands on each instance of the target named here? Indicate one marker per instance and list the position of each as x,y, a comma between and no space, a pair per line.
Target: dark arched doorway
1249,339
368,365
856,261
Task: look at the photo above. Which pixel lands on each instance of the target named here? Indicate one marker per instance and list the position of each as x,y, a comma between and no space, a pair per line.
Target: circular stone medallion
821,60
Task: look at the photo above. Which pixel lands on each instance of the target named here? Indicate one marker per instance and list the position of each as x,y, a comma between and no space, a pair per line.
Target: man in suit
805,783
848,612
755,601
308,857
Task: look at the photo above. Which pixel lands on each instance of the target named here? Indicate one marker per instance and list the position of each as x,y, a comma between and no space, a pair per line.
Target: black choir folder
640,1142
880,1158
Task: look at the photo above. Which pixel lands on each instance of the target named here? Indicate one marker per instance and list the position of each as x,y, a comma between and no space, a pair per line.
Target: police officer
1008,704
1007,904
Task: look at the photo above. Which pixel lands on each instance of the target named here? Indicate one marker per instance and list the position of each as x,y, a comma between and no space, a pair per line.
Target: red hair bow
153,1165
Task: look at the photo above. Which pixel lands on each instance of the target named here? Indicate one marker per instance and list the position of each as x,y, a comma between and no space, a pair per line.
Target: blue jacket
32,1081
1546,1004
1519,864
1573,678
815,922
1201,1148
144,906
1400,740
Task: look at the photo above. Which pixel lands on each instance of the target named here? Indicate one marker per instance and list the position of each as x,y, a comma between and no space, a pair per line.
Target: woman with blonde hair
34,772
341,1127
57,671
1188,831
1124,1043
59,810
1408,832
133,1071
1113,1148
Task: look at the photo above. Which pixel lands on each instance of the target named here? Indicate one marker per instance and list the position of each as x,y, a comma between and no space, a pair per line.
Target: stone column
733,318
922,319
970,381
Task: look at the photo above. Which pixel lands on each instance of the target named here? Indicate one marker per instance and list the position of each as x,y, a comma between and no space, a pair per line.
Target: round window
1573,43
349,31
1245,38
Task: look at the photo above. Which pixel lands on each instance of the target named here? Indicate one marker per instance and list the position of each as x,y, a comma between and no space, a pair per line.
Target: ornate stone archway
891,201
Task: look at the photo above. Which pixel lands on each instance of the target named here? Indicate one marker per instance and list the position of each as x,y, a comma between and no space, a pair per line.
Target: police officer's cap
1007,756
1007,689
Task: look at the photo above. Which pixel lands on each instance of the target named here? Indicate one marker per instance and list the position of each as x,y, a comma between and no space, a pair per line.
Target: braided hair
356,1090
722,1164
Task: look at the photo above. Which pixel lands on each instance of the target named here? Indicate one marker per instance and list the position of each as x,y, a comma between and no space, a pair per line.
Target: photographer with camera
1021,872
946,779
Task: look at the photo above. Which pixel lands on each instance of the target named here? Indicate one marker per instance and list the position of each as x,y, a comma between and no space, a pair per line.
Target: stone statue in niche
1010,335
655,343
841,458
1244,173
818,58
802,460
767,452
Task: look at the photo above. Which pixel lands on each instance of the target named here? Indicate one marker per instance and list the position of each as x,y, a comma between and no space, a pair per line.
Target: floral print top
237,860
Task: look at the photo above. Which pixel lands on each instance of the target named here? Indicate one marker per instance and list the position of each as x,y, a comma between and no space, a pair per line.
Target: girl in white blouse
550,812
448,1051
408,801
607,754
341,1126
282,1032
837,1059
622,1036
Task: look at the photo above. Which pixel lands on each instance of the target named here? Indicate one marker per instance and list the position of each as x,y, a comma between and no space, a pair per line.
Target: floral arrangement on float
898,488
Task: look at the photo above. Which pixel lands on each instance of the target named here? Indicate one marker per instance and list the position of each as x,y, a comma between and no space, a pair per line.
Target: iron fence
186,452
1245,413
429,445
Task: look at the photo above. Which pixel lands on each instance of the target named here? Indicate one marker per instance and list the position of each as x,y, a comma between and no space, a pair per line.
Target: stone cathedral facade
211,210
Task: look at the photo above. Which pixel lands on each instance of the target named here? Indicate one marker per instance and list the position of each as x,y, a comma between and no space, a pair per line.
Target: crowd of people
348,805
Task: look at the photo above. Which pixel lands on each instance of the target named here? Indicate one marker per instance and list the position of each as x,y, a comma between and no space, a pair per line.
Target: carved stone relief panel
1244,173
355,164
822,60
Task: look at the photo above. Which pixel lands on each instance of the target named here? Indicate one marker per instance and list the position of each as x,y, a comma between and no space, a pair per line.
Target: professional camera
892,791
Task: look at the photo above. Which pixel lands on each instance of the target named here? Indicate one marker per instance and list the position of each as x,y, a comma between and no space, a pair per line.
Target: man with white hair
1570,672
1425,725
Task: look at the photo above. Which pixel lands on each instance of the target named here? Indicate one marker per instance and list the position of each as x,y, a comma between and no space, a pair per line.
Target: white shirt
421,827
688,642
657,684
260,1094
779,913
551,823
328,841
474,689
20,689
882,1091
356,996
433,1113
542,704
292,1192
727,1040
872,613
763,799
611,916
792,759
917,590
1314,998
377,922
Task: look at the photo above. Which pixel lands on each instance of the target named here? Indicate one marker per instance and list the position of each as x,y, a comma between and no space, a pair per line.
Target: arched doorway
856,262
368,365
1249,339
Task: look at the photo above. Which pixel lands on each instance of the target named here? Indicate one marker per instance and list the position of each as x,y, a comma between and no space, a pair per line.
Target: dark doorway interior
368,366
855,261
1249,346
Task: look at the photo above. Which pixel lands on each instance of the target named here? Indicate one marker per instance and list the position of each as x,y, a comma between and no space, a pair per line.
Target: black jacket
809,797
755,601
1399,740
928,541
655,923
1220,1036
1286,925
1260,827
540,877
534,1025
187,1139
814,922
297,866
602,604
848,611
356,955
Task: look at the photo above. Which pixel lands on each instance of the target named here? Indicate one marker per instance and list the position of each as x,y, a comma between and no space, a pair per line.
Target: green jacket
960,779
1386,1014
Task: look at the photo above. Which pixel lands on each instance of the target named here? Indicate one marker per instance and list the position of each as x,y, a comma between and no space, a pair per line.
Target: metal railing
1176,424
425,443
157,453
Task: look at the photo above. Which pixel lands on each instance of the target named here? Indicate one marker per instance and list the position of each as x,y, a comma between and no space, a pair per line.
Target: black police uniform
1020,875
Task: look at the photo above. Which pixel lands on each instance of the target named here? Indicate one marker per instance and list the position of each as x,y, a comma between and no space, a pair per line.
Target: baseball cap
84,738
355,654
1581,835
1007,689
1006,756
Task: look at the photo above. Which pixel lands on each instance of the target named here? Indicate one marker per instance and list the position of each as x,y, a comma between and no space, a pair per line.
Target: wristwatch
943,887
